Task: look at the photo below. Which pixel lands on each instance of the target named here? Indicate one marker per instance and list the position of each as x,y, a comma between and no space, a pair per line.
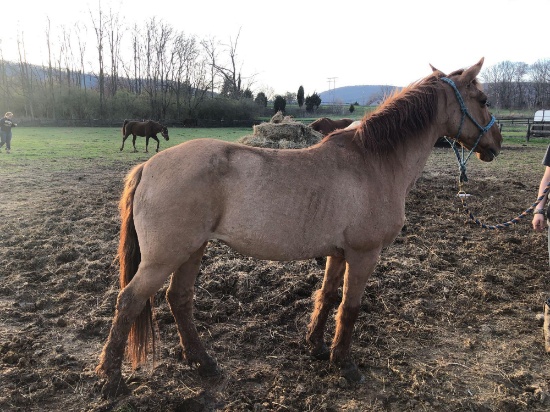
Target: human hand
539,222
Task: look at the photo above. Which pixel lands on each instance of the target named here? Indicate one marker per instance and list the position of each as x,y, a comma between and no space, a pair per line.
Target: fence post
528,130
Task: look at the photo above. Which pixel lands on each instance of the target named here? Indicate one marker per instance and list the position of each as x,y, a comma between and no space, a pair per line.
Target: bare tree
136,48
384,92
190,76
520,86
99,28
68,57
210,47
540,78
114,36
5,84
159,64
132,68
504,83
290,97
232,81
26,77
184,55
51,91
231,71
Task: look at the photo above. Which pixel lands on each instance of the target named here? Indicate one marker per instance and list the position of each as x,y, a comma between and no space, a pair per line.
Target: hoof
112,388
209,369
350,371
321,353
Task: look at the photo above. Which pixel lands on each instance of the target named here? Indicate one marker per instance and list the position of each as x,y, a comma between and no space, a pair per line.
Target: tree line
146,71
155,71
516,85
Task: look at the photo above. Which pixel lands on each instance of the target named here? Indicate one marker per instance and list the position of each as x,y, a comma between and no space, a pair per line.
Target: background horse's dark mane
402,116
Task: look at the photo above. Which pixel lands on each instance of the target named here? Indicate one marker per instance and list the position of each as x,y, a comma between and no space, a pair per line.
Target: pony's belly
281,251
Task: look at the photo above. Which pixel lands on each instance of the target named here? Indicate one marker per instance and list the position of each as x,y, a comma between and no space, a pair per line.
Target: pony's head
164,132
469,121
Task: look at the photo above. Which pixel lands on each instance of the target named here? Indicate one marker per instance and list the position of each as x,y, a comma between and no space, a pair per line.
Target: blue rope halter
462,159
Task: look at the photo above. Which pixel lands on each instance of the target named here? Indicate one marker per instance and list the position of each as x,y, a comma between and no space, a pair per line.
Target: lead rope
462,160
462,195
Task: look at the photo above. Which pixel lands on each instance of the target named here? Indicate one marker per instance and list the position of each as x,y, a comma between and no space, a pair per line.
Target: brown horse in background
348,202
190,122
325,126
148,128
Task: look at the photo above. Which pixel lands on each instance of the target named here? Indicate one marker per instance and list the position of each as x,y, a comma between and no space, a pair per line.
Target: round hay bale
288,135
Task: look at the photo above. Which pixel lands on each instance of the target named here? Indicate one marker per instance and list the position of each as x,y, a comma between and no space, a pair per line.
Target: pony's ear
437,72
471,73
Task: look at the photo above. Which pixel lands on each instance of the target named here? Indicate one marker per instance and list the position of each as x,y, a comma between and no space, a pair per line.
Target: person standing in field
539,223
6,123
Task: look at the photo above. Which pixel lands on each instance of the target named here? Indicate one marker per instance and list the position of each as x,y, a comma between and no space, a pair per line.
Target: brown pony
190,122
348,203
325,126
148,128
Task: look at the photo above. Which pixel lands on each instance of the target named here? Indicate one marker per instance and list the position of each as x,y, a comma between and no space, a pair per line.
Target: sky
283,44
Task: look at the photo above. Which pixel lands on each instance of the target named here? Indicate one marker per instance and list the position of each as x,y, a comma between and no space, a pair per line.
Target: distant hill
13,69
364,95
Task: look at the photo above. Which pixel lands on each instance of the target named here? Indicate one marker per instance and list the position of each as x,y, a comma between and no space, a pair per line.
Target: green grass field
60,148
64,147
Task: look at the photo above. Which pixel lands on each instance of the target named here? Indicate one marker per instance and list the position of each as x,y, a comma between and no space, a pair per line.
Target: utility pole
331,91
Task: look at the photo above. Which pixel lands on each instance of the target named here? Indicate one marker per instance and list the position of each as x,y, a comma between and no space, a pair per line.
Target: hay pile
285,134
277,117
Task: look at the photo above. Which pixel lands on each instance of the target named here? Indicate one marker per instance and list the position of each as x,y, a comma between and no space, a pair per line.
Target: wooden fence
526,125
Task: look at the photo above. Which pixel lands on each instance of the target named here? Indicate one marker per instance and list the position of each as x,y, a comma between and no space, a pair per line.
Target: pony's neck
412,155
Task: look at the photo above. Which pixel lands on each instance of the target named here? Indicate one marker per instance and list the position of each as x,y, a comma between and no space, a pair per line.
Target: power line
333,81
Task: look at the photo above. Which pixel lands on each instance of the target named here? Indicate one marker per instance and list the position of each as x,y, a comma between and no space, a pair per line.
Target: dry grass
288,135
448,321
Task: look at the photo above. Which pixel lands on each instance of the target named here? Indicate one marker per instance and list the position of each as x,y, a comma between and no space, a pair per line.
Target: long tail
129,256
124,127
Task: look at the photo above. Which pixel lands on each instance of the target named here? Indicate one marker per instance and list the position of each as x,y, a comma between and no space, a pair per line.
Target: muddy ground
448,321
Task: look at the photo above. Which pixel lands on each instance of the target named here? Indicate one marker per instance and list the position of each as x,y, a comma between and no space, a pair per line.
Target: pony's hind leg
131,302
325,300
134,142
180,298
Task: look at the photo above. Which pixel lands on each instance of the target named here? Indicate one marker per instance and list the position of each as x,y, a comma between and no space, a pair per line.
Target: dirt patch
448,320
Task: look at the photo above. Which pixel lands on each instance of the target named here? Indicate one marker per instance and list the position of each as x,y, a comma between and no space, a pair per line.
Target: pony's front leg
325,299
158,142
358,271
123,140
180,298
146,144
